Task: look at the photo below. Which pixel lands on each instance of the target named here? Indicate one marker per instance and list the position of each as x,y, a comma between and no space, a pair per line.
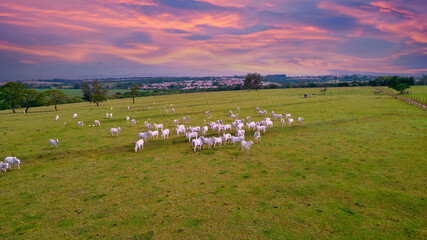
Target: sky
84,39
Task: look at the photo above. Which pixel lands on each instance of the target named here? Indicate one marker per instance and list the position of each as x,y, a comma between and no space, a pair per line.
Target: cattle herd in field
197,135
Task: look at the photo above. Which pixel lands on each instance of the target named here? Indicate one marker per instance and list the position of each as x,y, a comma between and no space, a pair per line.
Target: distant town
188,83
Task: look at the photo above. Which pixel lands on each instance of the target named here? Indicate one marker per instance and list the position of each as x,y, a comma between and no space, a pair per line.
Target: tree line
15,95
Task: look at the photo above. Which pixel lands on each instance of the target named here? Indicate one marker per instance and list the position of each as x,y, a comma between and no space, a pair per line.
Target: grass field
356,169
78,92
417,93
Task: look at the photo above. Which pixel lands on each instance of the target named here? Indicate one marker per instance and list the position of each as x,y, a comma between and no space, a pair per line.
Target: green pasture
417,93
356,169
78,92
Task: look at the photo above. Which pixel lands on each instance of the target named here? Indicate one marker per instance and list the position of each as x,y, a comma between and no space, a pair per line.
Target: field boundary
408,100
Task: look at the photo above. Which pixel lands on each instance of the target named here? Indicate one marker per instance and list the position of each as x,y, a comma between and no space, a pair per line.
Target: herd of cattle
197,136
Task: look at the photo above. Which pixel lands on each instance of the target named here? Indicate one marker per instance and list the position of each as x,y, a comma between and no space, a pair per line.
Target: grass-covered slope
356,169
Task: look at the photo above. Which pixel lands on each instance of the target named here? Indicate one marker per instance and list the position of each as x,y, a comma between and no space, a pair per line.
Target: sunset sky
43,39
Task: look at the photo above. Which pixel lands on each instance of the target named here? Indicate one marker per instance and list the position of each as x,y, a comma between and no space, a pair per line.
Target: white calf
165,133
300,119
115,130
287,115
12,161
257,136
282,121
246,145
127,119
139,145
57,117
290,121
53,142
75,115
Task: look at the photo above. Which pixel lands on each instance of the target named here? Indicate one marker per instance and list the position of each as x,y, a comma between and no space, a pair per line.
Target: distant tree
11,94
86,91
55,97
94,92
134,92
97,98
400,84
31,98
252,81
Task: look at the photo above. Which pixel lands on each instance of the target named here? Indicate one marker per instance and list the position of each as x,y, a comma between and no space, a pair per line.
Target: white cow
115,130
240,133
173,110
191,135
287,115
290,121
238,109
236,139
167,111
217,140
97,123
128,107
12,161
225,137
154,133
248,119
75,115
250,126
256,108
57,117
196,143
300,119
144,135
139,145
257,136
80,124
234,116
185,119
205,130
127,119
111,108
133,121
4,166
165,133
246,145
175,121
282,121
147,125
261,128
158,126
179,130
207,112
107,115
53,142
111,115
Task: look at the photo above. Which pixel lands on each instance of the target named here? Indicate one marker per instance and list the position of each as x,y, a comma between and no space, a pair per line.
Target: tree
55,97
134,91
31,98
97,98
400,84
11,94
94,92
253,81
86,91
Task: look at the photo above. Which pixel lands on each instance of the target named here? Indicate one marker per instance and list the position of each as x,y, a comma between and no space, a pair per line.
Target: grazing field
416,93
78,92
356,169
